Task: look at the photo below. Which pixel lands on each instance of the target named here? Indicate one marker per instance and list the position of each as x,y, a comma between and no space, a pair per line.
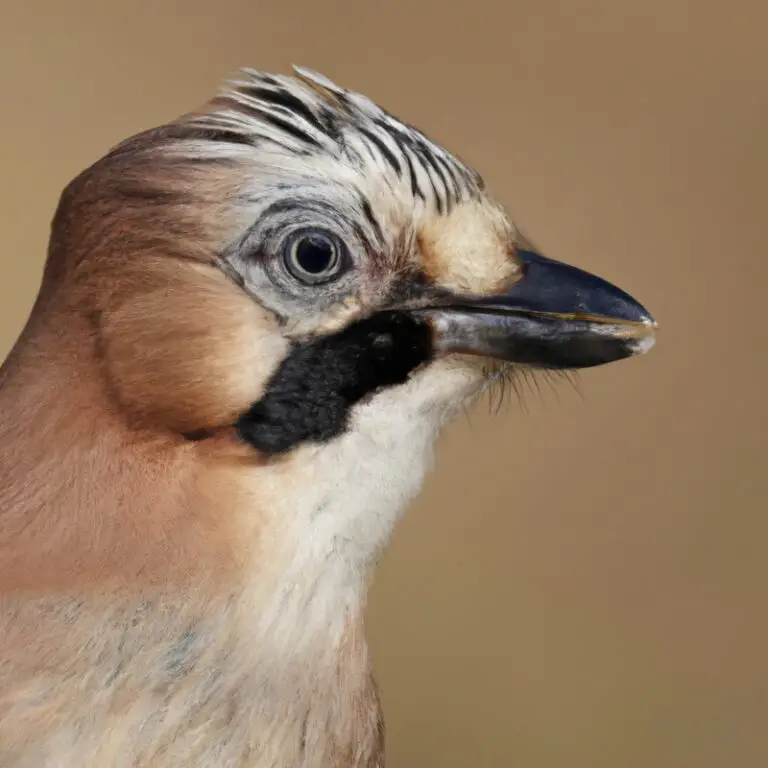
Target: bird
253,322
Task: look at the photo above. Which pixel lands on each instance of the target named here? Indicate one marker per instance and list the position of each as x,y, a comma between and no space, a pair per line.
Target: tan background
583,583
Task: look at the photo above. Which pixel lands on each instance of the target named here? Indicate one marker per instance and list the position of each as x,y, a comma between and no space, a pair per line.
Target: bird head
290,250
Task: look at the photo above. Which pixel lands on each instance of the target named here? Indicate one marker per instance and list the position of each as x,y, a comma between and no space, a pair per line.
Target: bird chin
450,383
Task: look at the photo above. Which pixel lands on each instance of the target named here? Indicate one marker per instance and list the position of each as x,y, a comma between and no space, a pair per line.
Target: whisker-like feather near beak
524,382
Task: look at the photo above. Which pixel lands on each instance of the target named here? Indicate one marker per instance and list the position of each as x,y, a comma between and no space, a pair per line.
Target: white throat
334,506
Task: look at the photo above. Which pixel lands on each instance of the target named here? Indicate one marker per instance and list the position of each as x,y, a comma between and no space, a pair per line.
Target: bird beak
555,316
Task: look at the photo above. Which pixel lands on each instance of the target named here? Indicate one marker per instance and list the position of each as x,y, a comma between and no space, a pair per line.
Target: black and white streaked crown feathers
308,115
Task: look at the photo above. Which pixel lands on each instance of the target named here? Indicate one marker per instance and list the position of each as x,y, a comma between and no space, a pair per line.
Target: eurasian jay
252,324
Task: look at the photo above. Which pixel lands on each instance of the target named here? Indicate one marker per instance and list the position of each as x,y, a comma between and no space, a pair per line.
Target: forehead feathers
273,152
308,125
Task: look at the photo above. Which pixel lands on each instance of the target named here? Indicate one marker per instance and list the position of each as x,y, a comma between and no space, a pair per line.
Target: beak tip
612,302
644,344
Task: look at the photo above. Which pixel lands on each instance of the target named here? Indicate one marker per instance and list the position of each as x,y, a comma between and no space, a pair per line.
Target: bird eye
314,257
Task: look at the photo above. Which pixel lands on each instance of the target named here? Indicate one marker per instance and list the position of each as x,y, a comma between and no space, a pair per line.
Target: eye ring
314,256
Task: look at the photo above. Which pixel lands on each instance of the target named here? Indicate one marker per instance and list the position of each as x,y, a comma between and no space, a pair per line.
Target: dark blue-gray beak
555,316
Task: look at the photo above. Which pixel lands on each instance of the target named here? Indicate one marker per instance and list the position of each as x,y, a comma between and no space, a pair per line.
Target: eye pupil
314,255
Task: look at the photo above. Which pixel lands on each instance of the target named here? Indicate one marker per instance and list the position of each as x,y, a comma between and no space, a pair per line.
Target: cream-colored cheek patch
470,249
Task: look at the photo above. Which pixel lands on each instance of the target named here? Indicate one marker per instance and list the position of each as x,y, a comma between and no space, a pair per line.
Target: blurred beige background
583,582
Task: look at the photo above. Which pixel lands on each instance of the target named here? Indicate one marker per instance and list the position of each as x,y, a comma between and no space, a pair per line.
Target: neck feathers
200,595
